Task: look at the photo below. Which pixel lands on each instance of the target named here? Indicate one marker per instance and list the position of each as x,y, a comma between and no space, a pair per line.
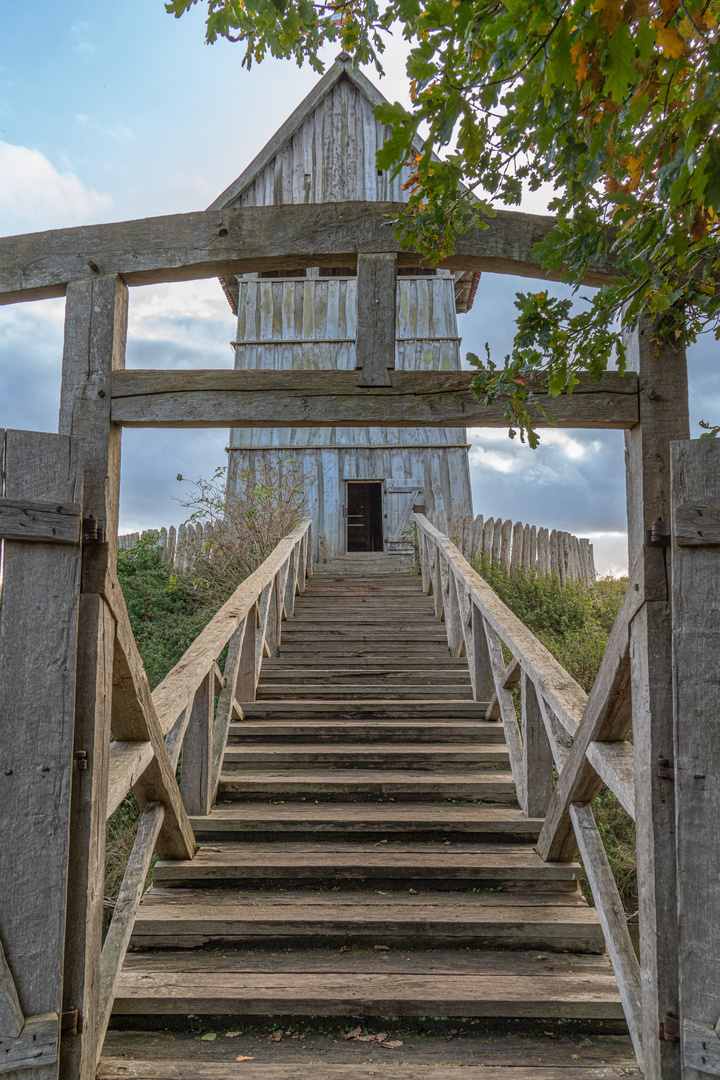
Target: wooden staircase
366,857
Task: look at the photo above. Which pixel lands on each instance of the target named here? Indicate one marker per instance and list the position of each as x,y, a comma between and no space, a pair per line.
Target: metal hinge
71,1022
670,1029
92,533
658,535
80,762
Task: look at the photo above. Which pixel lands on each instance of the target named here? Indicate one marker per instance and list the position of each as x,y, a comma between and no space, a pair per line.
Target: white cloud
81,31
35,195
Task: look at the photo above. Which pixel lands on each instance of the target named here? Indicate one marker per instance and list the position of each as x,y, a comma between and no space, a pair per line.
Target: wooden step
437,661
481,863
314,630
367,731
353,755
373,688
185,918
365,710
369,673
492,985
491,786
444,819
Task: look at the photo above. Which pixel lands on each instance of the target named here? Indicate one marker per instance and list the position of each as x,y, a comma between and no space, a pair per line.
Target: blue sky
110,111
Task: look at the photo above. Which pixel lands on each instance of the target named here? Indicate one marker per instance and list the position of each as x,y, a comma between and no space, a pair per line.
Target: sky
111,111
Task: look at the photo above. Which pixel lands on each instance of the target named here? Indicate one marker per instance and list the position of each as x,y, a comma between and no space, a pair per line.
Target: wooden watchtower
363,480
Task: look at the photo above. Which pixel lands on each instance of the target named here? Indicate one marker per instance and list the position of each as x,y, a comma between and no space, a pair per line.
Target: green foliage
572,622
614,104
164,620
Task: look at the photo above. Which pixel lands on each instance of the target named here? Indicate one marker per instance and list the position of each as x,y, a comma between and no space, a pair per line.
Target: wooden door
364,516
400,496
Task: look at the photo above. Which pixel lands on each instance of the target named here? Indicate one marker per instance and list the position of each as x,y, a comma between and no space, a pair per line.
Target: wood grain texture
35,1049
38,628
614,764
376,288
612,919
11,1014
695,473
278,399
696,525
21,519
700,1049
662,375
220,243
136,1069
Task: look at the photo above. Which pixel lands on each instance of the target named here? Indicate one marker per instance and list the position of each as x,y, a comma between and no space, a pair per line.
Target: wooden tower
364,480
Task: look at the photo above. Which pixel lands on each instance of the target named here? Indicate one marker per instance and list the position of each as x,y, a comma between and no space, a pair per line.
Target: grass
574,623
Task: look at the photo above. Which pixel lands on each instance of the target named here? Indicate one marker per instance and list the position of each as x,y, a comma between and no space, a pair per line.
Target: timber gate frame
53,978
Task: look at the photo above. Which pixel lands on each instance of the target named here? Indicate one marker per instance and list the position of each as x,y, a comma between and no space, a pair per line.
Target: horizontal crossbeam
48,522
211,243
327,398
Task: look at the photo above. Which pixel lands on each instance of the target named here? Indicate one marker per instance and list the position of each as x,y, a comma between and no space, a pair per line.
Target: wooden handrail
182,710
582,735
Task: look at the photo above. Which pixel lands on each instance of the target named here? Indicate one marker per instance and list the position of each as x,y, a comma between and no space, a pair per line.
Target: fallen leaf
353,1034
301,1038
276,1037
232,1034
381,948
345,948
366,1038
244,1057
209,1037
391,1044
214,849
413,892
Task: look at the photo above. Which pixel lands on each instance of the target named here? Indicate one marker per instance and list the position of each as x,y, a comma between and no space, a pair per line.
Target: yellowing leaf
670,42
609,13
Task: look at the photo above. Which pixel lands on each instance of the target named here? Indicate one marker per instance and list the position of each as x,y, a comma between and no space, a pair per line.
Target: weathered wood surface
131,1069
220,243
11,1014
695,470
696,525
612,919
35,1049
94,346
376,289
21,519
537,756
279,399
614,764
700,1049
38,628
662,374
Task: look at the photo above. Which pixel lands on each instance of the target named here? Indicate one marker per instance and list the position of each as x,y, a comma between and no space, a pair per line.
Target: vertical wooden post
482,677
247,673
95,334
663,407
375,343
196,780
696,646
38,628
537,754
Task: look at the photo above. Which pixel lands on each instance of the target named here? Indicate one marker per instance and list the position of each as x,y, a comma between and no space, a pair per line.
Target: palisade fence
177,546
519,547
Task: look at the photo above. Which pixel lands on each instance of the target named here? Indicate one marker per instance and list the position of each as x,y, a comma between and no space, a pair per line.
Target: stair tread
436,814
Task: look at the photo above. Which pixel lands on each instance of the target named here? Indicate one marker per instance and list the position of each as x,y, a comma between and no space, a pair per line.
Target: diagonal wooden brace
134,718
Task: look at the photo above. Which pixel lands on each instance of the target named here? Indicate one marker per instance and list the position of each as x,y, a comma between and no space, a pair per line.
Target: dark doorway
364,516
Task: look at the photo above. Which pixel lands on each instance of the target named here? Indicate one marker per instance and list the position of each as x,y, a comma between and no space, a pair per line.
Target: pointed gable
324,152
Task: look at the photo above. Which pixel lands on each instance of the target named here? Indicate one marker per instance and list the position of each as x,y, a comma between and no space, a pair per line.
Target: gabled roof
332,76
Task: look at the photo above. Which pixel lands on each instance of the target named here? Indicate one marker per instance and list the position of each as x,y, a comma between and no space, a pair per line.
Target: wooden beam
11,1014
95,334
35,1048
614,763
52,523
375,344
328,398
220,243
662,373
38,628
695,475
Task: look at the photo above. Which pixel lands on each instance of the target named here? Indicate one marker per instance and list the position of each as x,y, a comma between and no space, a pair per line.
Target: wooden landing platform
366,859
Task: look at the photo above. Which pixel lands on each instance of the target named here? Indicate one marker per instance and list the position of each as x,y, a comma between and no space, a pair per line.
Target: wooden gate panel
38,632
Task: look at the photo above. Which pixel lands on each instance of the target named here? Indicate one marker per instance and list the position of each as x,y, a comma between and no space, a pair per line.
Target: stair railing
583,736
150,729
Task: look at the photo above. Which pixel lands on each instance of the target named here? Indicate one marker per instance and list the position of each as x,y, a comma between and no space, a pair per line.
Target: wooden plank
606,718
375,346
11,1014
537,759
36,1048
38,627
614,764
222,243
196,779
662,371
127,761
696,525
126,907
94,346
125,1068
700,1049
612,919
508,715
280,399
51,522
695,474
